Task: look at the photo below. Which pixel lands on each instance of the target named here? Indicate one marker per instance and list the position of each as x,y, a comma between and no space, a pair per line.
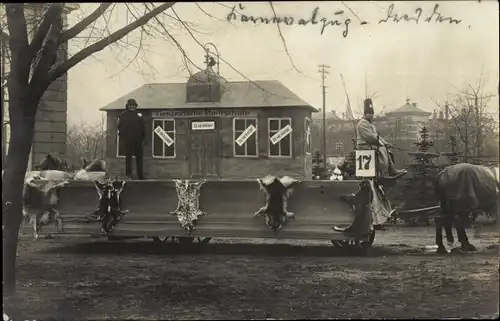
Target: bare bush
469,121
86,141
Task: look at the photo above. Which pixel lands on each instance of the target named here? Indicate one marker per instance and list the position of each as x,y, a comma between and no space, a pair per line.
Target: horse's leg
462,234
448,229
439,235
444,220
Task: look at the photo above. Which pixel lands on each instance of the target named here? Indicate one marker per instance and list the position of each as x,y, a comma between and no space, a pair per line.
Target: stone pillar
51,118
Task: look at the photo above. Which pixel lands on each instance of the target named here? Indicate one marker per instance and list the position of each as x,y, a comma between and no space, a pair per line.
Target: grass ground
93,279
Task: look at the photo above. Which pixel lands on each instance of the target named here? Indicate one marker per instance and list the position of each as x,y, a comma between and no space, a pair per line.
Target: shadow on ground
277,250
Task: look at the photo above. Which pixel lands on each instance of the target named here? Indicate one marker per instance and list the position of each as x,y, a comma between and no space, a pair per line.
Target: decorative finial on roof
209,59
408,100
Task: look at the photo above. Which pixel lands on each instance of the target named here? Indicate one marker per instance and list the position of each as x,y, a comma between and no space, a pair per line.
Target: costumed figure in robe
368,139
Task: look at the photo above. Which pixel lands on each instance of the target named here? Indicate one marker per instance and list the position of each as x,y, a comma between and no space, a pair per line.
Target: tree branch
85,22
283,41
220,58
39,81
103,43
18,41
54,12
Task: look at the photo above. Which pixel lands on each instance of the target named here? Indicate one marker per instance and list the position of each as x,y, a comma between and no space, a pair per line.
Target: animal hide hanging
188,211
109,211
277,191
361,204
49,190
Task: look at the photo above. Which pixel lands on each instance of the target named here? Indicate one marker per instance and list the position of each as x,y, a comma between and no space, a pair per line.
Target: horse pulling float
271,207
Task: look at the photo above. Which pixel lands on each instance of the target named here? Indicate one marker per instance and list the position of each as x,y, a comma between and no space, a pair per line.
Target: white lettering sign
246,135
204,113
202,125
164,136
365,163
282,133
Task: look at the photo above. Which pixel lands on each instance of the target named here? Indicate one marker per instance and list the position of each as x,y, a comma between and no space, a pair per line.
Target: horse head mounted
51,162
85,162
109,194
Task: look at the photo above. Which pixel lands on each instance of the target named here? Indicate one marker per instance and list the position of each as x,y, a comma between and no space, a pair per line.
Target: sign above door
202,125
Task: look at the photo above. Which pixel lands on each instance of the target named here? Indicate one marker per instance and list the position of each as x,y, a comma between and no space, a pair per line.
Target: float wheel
355,245
187,240
204,241
120,238
158,240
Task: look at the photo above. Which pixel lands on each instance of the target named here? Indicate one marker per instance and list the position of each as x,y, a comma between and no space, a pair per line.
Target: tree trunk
22,129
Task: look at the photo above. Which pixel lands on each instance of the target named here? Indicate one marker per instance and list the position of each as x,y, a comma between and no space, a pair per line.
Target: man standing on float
132,132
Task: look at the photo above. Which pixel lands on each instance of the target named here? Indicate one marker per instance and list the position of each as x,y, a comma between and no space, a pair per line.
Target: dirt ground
94,279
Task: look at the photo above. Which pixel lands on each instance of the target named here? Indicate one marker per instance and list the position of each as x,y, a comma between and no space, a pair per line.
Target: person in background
368,138
132,131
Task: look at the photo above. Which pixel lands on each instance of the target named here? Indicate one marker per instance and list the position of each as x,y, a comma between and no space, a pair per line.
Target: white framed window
399,124
307,136
245,132
282,148
160,148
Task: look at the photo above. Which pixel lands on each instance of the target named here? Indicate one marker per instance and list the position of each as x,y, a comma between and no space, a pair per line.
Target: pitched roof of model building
237,94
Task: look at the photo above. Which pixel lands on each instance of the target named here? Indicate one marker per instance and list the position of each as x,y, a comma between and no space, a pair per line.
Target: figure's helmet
368,106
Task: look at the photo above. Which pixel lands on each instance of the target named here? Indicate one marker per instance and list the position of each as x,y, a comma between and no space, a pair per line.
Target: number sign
164,136
365,163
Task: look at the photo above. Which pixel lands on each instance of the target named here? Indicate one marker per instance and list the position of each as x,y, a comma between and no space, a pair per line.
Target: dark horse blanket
468,186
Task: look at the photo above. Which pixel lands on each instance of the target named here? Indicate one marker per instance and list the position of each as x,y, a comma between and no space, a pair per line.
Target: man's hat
131,102
368,106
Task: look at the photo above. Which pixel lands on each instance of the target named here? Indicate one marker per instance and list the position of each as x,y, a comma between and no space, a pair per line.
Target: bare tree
35,38
468,119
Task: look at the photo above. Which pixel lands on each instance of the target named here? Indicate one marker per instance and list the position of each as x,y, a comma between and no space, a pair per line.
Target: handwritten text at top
340,20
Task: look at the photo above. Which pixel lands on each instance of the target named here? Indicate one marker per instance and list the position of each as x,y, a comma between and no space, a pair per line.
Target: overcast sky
400,60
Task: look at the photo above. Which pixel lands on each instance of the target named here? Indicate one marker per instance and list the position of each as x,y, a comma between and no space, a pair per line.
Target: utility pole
366,86
323,70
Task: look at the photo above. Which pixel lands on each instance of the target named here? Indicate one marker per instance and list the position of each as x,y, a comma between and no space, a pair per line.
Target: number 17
367,159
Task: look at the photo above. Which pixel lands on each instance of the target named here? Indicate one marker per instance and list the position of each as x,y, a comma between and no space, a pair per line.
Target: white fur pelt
337,175
44,181
83,175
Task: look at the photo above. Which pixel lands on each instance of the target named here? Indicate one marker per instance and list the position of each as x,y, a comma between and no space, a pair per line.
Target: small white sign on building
282,133
163,136
202,125
365,163
246,135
